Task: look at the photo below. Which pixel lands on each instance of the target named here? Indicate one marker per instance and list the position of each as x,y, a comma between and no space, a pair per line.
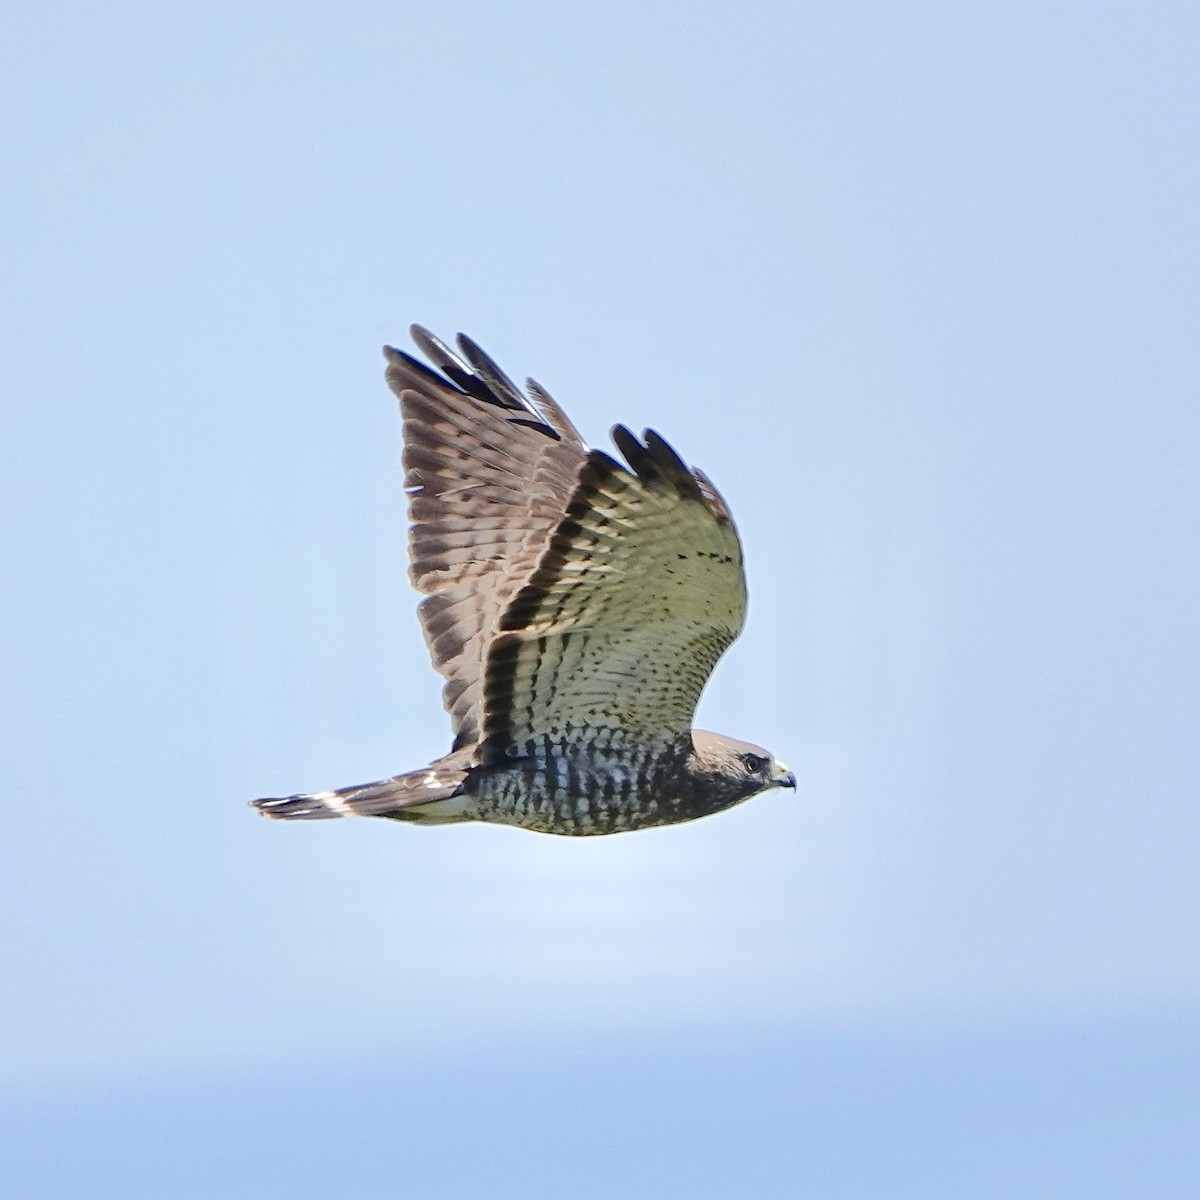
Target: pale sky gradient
917,285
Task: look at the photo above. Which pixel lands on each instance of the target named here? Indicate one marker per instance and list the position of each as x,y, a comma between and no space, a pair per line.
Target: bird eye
753,763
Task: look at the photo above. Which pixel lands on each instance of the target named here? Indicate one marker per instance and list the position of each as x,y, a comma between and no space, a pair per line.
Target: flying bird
576,606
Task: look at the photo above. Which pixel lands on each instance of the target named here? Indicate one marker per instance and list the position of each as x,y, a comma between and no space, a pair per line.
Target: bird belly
569,795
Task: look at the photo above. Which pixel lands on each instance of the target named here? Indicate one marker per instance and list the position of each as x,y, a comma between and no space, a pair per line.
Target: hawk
576,606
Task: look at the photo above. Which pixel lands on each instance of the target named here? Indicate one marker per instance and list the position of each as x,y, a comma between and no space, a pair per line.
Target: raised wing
635,598
489,475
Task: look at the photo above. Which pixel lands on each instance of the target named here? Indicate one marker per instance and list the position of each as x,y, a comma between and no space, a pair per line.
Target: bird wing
635,597
489,475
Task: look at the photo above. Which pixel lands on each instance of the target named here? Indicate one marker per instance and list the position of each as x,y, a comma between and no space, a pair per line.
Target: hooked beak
783,777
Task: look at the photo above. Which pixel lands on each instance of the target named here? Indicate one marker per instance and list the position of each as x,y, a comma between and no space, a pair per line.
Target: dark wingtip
420,334
437,351
635,453
672,465
485,367
474,373
403,371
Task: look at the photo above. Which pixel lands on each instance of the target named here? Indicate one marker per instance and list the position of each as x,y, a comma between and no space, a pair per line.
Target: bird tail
432,796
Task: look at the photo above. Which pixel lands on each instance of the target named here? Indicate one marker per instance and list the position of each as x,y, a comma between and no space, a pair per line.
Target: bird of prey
576,607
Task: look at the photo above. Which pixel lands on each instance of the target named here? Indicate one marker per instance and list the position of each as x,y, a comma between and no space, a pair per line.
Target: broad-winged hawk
576,607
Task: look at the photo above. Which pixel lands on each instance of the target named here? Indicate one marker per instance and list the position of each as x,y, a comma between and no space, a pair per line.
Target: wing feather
633,600
489,475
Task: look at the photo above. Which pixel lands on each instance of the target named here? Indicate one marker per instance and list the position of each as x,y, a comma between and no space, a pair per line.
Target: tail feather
432,796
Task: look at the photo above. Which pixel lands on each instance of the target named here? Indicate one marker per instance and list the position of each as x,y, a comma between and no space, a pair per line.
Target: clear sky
916,284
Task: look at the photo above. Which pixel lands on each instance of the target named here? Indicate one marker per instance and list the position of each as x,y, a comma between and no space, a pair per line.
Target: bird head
739,768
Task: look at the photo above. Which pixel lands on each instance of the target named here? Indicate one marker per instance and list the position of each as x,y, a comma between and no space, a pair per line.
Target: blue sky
916,285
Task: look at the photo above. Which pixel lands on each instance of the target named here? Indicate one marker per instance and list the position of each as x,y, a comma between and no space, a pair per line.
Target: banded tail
431,796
